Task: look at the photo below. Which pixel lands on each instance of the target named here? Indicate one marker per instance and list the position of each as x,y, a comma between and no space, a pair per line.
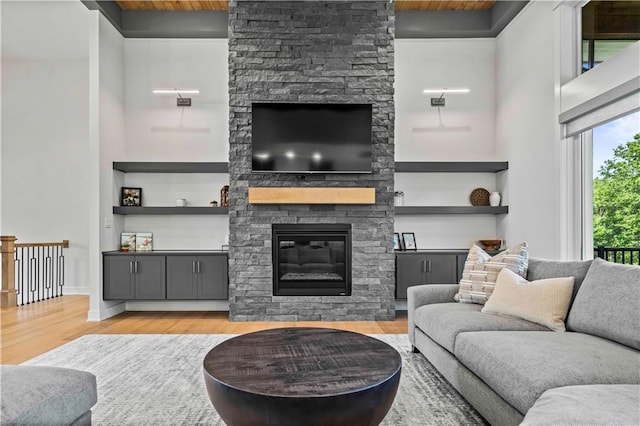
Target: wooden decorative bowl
479,197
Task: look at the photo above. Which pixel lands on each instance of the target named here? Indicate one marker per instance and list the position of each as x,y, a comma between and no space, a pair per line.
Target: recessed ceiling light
290,155
317,156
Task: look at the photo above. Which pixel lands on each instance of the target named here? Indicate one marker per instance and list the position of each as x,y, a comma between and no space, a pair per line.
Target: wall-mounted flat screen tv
311,138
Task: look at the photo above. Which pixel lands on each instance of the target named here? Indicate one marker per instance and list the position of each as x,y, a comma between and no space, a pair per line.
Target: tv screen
311,138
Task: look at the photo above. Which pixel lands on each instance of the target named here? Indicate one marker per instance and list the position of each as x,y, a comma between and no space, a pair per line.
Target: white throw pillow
481,271
544,302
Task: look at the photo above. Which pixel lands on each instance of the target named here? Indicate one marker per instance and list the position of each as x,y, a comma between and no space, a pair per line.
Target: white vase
494,199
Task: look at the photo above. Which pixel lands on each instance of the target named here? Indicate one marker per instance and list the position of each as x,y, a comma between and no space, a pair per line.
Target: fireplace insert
312,260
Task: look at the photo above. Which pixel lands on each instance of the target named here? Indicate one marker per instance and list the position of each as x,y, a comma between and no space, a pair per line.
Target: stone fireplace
317,52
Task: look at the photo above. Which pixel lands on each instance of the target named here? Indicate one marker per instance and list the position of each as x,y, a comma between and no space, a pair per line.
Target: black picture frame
131,197
409,241
397,242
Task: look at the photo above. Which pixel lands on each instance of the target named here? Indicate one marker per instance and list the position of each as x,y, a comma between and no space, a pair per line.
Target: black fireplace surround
311,260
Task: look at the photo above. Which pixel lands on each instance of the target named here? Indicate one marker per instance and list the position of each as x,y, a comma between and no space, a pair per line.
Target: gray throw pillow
608,303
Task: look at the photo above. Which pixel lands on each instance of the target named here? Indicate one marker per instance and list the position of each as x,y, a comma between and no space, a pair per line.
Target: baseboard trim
75,290
179,305
111,311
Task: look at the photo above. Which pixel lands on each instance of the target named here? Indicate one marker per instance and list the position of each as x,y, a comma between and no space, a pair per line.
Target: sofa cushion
289,255
592,404
608,303
544,302
520,365
286,268
481,271
45,395
540,269
442,322
317,268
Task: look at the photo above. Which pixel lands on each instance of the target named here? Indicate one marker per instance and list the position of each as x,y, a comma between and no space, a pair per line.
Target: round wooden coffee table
302,376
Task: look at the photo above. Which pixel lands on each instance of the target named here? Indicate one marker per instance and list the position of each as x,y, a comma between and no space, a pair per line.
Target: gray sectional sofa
37,395
513,371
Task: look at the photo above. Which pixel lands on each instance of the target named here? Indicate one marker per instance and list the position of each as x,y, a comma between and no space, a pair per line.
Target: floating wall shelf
406,210
170,210
451,167
401,167
153,167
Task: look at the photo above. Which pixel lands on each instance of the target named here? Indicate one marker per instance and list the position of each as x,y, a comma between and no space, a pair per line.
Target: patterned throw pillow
481,271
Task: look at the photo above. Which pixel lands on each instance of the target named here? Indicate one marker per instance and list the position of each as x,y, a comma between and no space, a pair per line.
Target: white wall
527,129
158,130
108,145
45,187
464,130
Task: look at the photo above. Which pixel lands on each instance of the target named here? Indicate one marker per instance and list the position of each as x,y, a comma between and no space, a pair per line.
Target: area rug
156,379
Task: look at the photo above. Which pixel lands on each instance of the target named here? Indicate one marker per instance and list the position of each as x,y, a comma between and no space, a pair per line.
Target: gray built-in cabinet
133,277
196,277
165,275
427,267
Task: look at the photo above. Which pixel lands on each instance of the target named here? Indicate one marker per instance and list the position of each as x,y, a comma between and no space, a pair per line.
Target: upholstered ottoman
586,404
33,395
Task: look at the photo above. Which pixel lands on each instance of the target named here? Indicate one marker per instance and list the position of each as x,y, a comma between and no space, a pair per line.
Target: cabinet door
213,281
118,277
410,270
150,278
182,280
442,268
462,258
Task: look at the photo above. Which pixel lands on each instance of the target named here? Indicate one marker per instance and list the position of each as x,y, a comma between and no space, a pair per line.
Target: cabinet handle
423,266
198,265
135,264
131,267
428,266
193,266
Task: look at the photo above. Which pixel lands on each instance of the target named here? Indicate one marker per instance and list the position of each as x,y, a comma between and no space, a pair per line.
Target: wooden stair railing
39,270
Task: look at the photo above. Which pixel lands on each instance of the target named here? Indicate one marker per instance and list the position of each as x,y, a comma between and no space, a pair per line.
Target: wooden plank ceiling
223,4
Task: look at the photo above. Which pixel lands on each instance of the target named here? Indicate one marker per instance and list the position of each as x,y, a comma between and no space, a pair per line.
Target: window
616,190
607,28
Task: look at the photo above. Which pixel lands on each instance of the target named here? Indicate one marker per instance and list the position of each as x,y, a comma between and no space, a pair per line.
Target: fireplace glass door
312,260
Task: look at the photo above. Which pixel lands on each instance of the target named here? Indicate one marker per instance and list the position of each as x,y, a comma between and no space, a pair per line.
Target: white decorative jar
494,199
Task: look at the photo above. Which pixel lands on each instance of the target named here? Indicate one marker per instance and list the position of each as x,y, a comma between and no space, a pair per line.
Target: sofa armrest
419,295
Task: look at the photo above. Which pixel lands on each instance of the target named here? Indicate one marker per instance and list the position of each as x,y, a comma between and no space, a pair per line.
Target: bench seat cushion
442,322
521,365
45,395
596,405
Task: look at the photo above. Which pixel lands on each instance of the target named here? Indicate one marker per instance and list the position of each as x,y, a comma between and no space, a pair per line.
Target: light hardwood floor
31,330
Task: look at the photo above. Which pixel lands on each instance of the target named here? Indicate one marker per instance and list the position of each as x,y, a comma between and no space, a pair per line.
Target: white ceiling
38,30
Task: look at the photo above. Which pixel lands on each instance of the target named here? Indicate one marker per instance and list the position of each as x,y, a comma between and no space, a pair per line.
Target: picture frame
127,241
409,241
131,197
397,242
144,241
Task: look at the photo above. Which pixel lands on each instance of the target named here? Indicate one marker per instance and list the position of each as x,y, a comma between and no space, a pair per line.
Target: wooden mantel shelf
261,195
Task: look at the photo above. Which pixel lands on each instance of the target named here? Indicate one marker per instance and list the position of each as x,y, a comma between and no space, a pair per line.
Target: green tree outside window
616,198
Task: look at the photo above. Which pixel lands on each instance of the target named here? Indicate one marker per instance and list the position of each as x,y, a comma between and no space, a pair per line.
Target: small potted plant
124,247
